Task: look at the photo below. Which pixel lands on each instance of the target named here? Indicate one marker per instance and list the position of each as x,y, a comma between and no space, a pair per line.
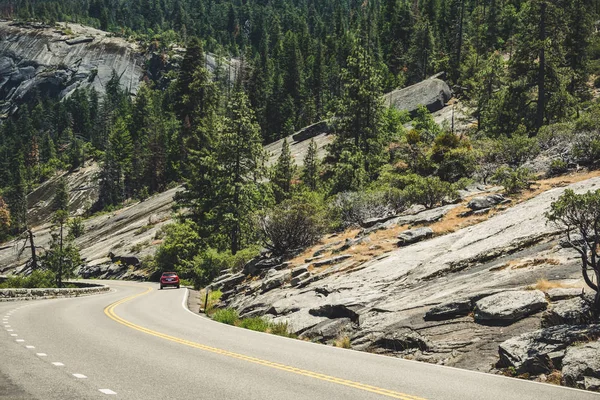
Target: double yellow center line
110,312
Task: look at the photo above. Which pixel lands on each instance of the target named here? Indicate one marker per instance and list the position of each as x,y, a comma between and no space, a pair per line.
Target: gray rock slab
483,202
331,260
449,310
432,93
427,216
530,351
296,280
327,330
508,307
414,235
580,362
575,311
557,294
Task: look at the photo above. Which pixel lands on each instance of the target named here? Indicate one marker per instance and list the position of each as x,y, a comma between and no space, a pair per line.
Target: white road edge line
79,376
186,294
58,364
107,391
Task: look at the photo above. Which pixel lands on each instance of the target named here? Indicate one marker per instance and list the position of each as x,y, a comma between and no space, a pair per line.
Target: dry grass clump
554,377
343,342
544,285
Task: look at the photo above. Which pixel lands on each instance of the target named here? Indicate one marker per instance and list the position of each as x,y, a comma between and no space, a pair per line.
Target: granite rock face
508,307
46,60
581,362
540,351
432,93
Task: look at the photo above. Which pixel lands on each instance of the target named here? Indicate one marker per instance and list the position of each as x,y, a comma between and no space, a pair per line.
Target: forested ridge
523,70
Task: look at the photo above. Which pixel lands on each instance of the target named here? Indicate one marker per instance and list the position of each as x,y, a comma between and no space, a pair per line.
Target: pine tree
360,116
61,196
240,157
282,174
310,172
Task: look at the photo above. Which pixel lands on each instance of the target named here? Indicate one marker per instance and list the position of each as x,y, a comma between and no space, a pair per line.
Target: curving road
137,342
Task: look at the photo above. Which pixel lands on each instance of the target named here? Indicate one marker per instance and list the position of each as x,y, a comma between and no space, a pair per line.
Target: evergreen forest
525,73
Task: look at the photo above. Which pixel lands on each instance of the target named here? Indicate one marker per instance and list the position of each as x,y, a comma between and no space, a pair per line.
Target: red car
169,279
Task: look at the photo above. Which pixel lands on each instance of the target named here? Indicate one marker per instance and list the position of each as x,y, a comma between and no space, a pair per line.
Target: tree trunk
460,40
541,103
34,264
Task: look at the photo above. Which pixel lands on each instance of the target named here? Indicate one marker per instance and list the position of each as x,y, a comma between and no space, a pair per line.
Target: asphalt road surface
137,342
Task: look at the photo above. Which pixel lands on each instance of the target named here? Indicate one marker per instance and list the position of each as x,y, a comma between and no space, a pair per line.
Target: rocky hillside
447,286
56,61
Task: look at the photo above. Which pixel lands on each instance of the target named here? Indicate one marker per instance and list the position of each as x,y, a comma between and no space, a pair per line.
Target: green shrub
557,167
207,265
255,324
76,227
181,245
586,147
429,191
291,226
37,279
280,329
227,316
513,180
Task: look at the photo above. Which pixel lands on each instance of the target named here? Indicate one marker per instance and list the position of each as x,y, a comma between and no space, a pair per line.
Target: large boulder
575,311
449,310
327,330
432,93
507,307
274,279
483,202
400,340
540,351
557,294
414,235
581,362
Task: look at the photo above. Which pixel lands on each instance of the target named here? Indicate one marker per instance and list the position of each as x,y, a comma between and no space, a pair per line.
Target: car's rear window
169,274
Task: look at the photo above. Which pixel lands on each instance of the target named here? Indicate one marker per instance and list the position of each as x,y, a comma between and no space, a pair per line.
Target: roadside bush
291,226
514,180
179,249
37,279
226,315
429,191
255,324
209,263
280,329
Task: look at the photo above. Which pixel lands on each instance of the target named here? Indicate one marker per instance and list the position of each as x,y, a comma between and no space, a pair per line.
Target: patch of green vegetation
37,279
260,324
226,316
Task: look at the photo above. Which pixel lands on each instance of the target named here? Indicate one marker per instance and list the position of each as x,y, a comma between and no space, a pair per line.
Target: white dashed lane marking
9,330
79,376
20,340
13,334
107,391
41,354
30,347
58,364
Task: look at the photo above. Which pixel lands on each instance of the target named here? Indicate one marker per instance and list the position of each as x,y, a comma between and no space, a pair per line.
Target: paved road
137,342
